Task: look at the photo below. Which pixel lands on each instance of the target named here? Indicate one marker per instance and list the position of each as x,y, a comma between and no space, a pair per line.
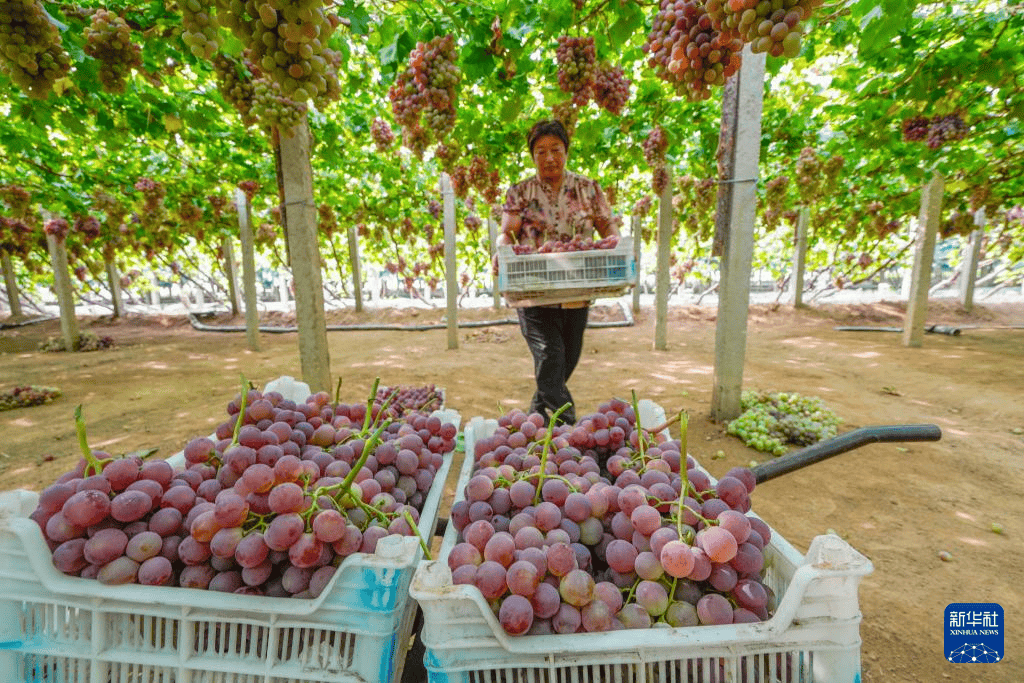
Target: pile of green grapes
770,422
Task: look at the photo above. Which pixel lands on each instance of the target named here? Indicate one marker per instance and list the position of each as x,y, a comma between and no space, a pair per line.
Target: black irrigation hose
934,329
23,323
196,324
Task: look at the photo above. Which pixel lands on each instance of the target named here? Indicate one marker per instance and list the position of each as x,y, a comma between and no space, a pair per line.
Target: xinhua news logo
974,633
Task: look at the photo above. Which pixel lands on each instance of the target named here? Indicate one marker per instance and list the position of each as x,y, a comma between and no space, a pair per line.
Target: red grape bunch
109,39
16,236
88,227
577,67
572,244
270,506
406,398
654,146
483,178
235,83
31,50
611,88
602,525
58,228
775,201
424,96
816,176
688,51
942,129
771,27
383,136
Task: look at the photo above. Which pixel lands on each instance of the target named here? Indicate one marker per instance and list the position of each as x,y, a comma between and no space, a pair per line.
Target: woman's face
549,157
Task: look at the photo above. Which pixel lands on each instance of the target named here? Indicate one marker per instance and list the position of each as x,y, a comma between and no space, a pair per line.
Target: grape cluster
772,27
383,136
568,114
27,395
424,96
272,108
577,67
88,227
770,421
31,50
199,29
249,188
58,228
15,236
271,506
570,244
816,177
775,201
611,88
109,40
935,131
287,42
694,203
402,399
601,525
686,49
483,179
654,146
235,83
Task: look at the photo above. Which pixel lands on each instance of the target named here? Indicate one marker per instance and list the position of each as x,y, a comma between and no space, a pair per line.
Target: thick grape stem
416,530
546,449
640,445
93,465
369,407
241,414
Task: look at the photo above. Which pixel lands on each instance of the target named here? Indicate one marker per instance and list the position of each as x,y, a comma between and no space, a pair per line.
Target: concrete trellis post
741,106
450,274
11,283
65,293
920,282
662,275
492,236
252,315
353,257
304,253
800,257
969,266
634,226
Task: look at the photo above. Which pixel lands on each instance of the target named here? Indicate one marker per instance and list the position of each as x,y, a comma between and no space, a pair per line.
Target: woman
554,204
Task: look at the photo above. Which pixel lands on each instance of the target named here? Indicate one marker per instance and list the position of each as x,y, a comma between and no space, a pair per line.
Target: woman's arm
511,226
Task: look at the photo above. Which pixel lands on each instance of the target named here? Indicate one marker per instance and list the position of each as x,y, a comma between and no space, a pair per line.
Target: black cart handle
842,443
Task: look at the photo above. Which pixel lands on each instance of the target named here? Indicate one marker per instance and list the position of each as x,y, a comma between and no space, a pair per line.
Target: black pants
555,338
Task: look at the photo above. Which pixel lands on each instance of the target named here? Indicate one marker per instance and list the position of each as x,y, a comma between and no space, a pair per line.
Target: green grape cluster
199,29
568,114
31,51
235,83
108,39
273,108
772,421
816,176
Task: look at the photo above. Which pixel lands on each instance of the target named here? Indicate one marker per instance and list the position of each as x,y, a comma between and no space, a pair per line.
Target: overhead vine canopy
101,96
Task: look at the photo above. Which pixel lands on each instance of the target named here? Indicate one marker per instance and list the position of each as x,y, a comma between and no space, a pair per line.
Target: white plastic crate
56,628
813,637
534,279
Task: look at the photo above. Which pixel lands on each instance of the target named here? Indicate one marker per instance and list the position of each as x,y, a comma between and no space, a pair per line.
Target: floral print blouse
549,217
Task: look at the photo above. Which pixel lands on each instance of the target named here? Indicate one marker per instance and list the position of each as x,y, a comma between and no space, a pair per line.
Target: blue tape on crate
380,595
387,659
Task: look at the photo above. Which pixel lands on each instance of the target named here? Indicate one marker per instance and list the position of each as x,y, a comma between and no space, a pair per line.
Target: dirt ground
164,382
